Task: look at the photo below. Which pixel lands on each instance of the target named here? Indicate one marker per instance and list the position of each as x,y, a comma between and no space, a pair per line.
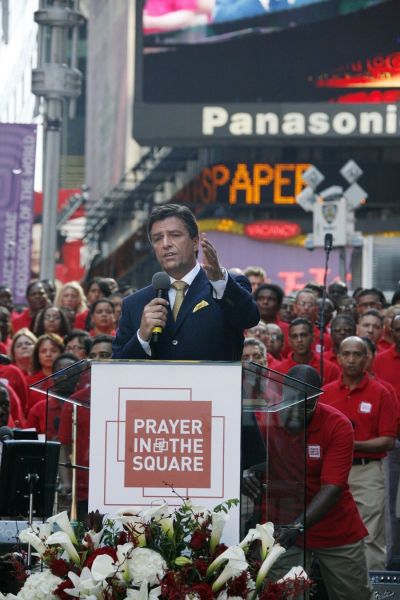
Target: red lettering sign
272,230
168,443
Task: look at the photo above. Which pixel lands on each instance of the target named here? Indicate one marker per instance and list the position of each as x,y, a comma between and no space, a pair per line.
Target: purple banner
17,170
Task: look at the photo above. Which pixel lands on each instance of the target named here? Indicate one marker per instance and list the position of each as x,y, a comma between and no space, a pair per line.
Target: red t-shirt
16,380
383,346
331,356
370,408
37,417
317,342
387,367
33,395
83,437
20,320
80,320
331,371
329,453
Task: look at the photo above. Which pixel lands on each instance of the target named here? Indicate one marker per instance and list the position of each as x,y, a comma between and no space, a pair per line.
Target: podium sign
165,430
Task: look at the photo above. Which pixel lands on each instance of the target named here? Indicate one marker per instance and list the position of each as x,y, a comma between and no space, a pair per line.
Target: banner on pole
17,171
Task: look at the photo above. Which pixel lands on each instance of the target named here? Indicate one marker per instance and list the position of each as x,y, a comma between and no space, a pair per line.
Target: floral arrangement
154,554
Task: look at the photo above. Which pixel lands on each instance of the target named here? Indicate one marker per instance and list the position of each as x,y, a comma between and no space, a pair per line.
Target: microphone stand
328,249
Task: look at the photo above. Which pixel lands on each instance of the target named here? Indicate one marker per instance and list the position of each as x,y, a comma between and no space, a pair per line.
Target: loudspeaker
386,584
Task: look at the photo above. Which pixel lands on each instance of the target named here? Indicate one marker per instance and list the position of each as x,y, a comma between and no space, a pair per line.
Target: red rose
64,585
59,567
198,540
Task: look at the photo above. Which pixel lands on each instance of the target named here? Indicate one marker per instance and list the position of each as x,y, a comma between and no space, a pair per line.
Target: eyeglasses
75,348
306,304
274,336
52,317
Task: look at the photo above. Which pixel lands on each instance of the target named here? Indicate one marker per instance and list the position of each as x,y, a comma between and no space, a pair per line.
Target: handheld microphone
161,284
328,242
6,434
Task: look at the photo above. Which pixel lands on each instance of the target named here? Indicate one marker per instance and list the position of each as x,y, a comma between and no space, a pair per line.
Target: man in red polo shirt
387,367
334,531
306,307
301,340
370,325
370,408
342,326
387,364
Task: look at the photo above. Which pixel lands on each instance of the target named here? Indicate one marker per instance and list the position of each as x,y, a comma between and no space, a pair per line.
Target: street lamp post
55,81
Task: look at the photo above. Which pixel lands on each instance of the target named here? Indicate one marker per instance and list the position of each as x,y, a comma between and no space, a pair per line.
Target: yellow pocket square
200,305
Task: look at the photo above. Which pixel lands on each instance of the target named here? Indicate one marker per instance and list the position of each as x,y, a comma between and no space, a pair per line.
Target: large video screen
268,51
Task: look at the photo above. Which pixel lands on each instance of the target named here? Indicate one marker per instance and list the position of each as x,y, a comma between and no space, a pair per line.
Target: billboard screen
256,56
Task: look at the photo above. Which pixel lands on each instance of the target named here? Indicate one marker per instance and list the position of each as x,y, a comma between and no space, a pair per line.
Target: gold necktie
180,287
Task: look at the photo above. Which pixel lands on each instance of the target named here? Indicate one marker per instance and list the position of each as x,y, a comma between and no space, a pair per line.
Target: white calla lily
156,512
134,522
93,538
276,551
233,568
84,585
43,530
201,512
103,566
294,573
124,553
219,520
28,536
266,532
232,553
63,522
62,539
251,535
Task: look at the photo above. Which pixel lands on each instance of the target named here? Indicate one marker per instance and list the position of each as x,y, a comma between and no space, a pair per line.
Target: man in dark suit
215,308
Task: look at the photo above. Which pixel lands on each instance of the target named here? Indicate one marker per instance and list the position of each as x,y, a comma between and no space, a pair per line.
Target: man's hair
301,321
314,288
338,284
347,318
103,338
83,336
372,292
252,341
306,374
255,271
305,291
160,213
372,312
276,289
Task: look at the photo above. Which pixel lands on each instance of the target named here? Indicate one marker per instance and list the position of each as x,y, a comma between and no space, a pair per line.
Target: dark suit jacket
212,332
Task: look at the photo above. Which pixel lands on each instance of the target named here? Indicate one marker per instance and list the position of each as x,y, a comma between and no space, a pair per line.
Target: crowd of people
351,341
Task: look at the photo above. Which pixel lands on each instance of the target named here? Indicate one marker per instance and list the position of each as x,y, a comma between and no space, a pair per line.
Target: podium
173,430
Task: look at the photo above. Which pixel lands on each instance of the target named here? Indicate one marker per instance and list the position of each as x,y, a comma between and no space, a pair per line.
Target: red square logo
168,442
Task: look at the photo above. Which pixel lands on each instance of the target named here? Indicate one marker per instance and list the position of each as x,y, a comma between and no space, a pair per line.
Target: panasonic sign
295,123
175,124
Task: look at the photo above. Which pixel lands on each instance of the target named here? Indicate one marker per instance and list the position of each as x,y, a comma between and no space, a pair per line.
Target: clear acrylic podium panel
273,435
